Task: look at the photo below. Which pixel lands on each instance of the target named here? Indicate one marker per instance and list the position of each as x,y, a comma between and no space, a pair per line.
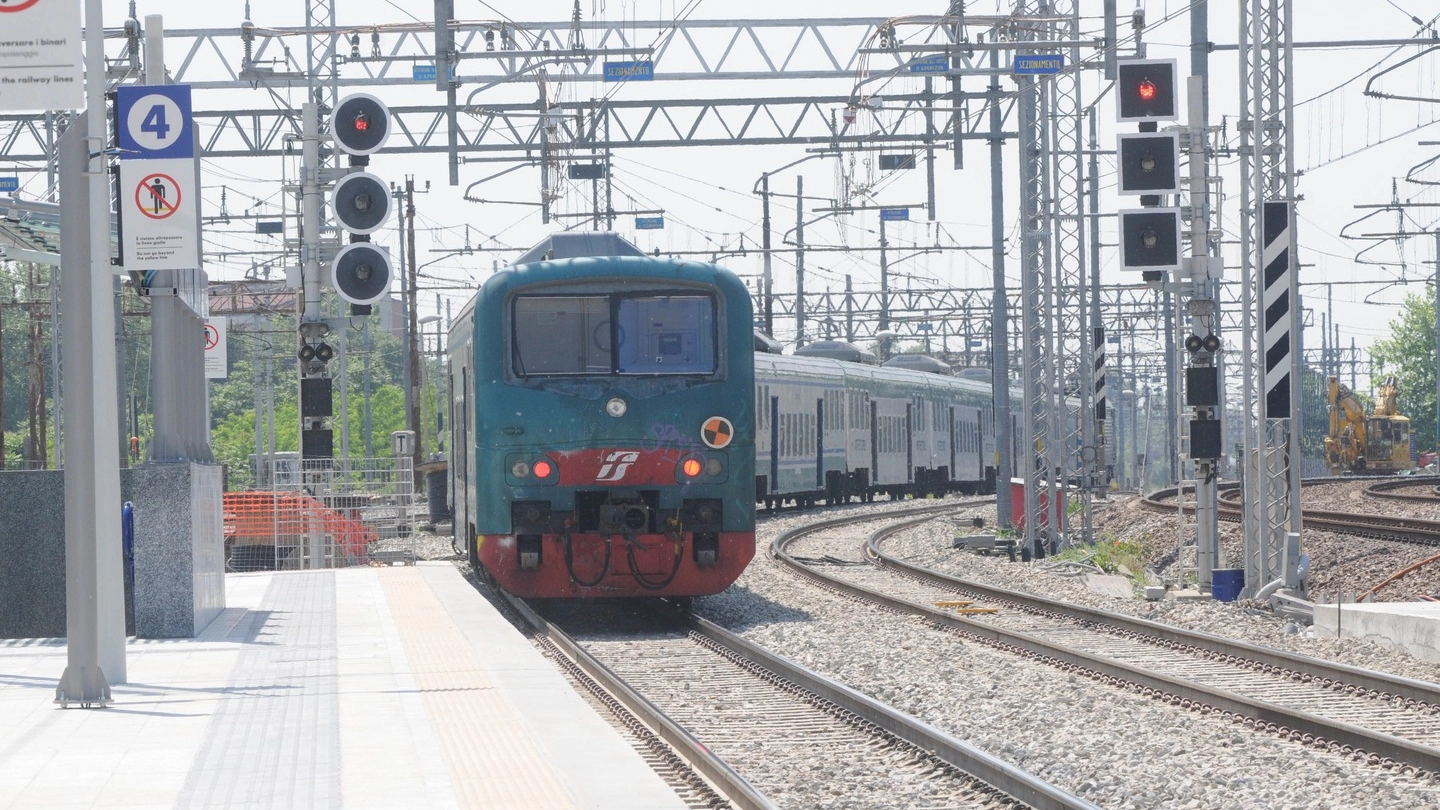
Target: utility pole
799,260
766,285
999,314
412,302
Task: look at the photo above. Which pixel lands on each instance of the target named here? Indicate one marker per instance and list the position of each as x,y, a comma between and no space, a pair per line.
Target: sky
1348,147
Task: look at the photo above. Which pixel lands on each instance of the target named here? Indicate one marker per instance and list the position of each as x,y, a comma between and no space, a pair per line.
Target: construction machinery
1360,445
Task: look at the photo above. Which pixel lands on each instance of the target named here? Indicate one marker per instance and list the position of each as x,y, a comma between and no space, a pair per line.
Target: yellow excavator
1357,445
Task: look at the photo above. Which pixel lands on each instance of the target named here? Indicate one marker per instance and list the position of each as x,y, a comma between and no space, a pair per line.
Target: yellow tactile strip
492,760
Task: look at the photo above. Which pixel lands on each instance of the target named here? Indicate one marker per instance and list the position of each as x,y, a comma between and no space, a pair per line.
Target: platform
1412,627
388,687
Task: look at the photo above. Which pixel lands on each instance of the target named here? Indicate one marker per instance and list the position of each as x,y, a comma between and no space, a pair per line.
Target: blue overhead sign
9,184
1039,64
649,223
423,73
629,71
940,63
154,121
894,214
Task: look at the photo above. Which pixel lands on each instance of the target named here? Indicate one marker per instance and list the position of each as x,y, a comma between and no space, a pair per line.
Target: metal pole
369,428
412,334
999,324
884,281
94,581
799,260
1437,340
769,307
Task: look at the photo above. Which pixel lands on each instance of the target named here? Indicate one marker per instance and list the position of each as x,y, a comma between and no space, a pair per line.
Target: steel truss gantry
492,120
1271,296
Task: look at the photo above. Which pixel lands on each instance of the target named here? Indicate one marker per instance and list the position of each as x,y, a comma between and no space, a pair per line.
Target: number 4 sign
155,122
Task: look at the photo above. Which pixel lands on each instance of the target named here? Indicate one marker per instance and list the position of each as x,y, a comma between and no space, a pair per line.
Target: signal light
1149,163
542,469
360,124
306,353
361,202
1212,344
1146,90
691,467
1193,344
360,273
324,353
1150,239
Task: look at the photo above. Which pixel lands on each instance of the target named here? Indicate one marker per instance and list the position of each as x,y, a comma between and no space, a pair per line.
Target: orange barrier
282,518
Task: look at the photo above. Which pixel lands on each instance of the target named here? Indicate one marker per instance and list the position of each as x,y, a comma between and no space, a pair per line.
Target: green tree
1409,354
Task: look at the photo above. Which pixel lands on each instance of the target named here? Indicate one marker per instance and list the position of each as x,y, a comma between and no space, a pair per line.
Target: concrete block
1412,627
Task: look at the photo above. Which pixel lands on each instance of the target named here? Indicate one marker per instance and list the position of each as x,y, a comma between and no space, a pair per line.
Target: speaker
361,202
1205,438
316,397
317,443
1202,386
360,273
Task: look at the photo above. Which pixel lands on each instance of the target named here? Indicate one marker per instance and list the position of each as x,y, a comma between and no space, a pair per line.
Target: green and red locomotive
603,423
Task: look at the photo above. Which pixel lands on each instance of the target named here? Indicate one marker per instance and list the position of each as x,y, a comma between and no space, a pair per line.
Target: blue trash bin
1226,583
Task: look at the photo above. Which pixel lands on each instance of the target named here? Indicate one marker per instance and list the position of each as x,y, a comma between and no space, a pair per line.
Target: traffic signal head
1149,163
360,124
360,273
1150,239
1145,90
362,202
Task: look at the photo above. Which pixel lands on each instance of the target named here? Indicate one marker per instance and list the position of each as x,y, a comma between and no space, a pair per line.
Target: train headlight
542,469
714,466
616,407
520,469
691,467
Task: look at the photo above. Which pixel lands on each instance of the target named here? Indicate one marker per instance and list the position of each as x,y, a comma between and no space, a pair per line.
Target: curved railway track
1391,490
1389,720
754,724
1383,527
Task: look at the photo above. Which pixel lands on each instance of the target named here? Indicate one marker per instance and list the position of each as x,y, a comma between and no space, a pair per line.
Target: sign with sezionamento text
40,60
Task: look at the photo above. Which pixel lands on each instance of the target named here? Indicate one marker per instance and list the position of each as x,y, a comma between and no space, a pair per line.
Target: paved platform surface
392,687
1410,626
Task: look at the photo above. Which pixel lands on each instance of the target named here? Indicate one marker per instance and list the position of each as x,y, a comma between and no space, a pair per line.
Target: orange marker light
1147,90
691,467
542,469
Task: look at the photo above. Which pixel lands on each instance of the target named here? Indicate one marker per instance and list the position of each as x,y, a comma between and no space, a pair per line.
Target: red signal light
542,469
1146,90
362,122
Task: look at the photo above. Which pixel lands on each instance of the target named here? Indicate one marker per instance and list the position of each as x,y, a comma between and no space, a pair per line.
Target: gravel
1114,747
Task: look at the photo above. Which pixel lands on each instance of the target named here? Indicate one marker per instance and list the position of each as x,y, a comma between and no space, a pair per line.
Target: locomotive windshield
614,334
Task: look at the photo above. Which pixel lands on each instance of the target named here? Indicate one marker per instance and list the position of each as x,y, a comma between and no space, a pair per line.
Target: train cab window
557,334
666,334
612,334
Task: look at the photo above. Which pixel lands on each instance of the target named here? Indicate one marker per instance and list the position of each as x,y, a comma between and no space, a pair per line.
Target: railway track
1387,720
1391,490
1383,527
764,732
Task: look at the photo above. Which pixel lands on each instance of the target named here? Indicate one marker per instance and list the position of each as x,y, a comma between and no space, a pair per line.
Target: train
832,426
603,423
615,420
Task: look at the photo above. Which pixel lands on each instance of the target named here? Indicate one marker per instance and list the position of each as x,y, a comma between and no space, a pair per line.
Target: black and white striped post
1277,268
1102,393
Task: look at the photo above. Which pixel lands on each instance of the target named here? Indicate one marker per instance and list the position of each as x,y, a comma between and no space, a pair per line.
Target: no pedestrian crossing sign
40,64
158,204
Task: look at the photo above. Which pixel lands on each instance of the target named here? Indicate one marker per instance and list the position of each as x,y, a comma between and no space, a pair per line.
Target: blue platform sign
649,223
9,184
1039,64
939,63
630,71
894,214
155,121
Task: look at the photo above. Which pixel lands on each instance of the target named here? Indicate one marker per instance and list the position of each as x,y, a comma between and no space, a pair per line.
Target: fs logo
617,463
